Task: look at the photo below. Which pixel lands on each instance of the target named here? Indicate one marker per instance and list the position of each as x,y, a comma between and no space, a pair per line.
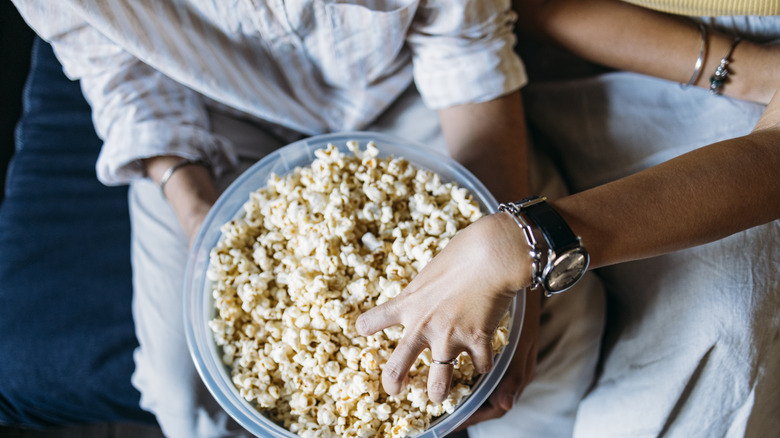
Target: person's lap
165,375
690,341
690,336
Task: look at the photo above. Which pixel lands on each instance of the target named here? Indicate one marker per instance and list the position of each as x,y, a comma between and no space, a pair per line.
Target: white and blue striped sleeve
463,52
137,111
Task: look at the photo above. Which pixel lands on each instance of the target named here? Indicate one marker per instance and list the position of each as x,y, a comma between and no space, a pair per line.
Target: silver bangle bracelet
700,59
534,252
184,162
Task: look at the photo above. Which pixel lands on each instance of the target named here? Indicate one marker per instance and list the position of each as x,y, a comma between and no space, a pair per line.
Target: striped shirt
712,8
150,69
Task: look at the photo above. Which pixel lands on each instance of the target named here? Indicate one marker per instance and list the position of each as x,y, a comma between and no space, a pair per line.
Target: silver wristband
535,252
700,59
170,171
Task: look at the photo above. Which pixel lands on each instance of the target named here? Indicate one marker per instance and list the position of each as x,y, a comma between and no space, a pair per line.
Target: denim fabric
65,283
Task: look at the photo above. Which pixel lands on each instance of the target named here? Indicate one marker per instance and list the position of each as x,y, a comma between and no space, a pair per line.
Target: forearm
627,37
190,190
490,139
696,198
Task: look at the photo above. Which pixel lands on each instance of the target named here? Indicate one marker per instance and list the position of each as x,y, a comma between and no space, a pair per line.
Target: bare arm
698,197
190,190
489,138
627,37
693,199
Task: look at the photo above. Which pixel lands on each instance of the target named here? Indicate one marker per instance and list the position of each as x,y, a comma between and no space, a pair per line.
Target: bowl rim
198,303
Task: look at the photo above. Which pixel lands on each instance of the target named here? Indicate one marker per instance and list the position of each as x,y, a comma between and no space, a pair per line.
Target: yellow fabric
712,8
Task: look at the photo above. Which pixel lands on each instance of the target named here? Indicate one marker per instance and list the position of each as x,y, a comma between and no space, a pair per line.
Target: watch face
566,270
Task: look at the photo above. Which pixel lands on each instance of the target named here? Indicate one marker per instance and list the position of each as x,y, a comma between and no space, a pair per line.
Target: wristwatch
558,260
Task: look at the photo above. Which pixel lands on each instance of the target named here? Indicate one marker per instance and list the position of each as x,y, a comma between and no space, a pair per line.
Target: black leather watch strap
554,228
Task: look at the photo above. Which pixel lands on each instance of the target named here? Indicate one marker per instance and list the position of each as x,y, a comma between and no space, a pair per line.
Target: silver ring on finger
453,362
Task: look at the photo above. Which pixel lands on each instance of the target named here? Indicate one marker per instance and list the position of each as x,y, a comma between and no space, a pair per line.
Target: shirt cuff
471,78
120,162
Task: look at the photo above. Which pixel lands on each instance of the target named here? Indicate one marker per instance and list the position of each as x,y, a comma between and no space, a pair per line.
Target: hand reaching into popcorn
455,304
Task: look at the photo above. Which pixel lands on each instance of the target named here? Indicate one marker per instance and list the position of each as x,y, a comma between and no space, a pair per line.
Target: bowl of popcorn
294,251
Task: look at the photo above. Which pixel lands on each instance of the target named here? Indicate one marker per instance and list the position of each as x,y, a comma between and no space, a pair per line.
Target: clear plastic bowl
199,305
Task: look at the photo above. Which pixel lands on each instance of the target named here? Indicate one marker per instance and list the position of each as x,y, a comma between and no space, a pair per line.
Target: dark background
15,44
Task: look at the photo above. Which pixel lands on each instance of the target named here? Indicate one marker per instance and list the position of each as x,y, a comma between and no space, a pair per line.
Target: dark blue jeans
66,330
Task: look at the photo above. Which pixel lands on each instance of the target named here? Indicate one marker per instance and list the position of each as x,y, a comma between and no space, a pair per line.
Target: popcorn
314,249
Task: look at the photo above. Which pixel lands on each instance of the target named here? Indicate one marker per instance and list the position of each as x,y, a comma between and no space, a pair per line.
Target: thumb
518,376
378,318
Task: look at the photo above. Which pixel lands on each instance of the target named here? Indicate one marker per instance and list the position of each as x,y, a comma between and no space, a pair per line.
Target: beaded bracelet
718,79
